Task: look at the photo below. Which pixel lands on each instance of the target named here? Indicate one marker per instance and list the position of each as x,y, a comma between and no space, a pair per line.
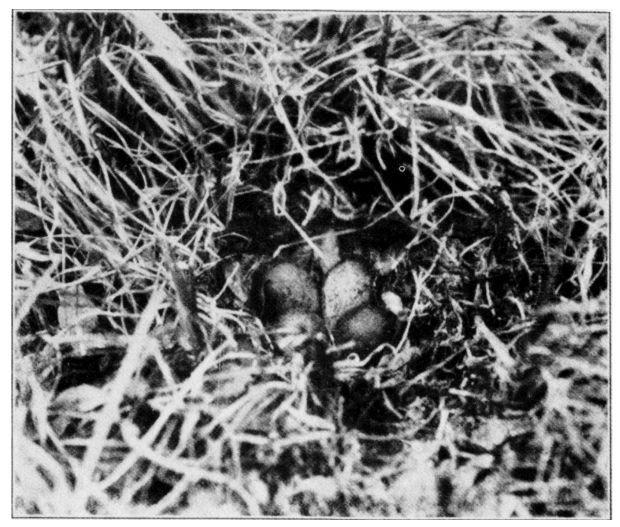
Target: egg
347,286
282,287
365,328
297,331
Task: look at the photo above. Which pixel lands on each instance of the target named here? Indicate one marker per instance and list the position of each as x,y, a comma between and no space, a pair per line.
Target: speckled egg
295,331
347,286
283,287
365,327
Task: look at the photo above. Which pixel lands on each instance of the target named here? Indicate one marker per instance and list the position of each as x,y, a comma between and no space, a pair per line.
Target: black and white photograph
310,264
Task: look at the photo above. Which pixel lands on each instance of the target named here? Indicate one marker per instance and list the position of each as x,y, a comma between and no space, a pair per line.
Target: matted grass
464,156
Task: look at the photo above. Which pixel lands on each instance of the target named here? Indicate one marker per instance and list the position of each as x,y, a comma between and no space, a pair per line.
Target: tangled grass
464,155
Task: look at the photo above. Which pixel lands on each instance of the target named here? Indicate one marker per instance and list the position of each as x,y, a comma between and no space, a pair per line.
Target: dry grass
465,155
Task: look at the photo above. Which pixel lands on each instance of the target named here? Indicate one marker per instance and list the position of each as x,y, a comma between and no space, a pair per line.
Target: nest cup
298,313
